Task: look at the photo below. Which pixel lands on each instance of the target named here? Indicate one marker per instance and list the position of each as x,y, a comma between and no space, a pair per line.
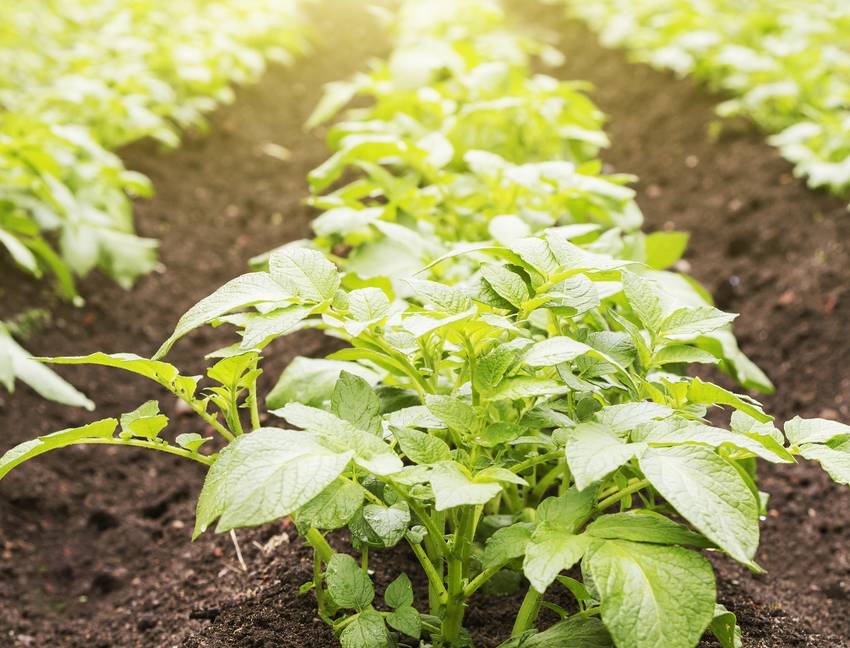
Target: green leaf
406,620
399,593
16,362
551,550
573,632
500,433
366,631
261,327
491,368
506,544
304,273
688,323
573,296
594,452
652,595
627,416
709,493
724,626
355,400
368,304
265,475
643,297
705,393
422,448
246,290
836,462
445,298
455,413
336,94
554,350
381,526
816,430
663,249
453,486
507,284
333,507
366,449
641,525
145,421
311,381
156,370
348,585
103,429
191,441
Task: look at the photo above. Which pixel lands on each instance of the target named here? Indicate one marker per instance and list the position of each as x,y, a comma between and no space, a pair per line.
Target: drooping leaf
652,595
710,494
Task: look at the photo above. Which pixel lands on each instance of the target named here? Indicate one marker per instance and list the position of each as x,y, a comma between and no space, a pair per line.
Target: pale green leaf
653,596
709,493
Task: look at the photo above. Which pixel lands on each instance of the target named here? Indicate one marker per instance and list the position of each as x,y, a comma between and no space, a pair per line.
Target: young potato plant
511,436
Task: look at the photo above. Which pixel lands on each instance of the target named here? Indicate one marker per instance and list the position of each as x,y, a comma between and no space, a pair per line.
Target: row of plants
80,78
785,64
515,398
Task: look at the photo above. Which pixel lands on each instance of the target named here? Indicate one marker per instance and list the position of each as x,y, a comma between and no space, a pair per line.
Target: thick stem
457,564
528,612
539,459
316,540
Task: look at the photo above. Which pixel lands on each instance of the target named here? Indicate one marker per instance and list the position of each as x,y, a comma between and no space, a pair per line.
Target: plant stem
316,540
150,445
453,620
533,461
476,583
435,581
255,408
628,490
528,611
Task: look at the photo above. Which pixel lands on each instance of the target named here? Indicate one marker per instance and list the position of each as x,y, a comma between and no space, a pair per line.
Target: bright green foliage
515,398
17,364
80,78
785,62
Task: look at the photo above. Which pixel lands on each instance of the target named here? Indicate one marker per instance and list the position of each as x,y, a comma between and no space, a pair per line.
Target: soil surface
94,542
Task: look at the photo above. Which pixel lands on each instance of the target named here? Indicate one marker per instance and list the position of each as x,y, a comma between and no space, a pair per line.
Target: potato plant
515,402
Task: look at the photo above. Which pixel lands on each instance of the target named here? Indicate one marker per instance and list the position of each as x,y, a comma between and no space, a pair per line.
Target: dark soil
95,542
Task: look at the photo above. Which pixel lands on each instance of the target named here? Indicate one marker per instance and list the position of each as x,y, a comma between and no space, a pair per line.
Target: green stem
316,540
211,419
533,461
616,497
453,620
528,611
476,583
150,445
546,482
434,579
255,408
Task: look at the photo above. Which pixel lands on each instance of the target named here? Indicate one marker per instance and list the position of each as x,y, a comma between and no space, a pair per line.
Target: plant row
515,398
78,81
785,64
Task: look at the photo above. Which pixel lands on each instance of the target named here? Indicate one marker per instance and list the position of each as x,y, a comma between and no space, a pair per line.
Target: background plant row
79,79
786,65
